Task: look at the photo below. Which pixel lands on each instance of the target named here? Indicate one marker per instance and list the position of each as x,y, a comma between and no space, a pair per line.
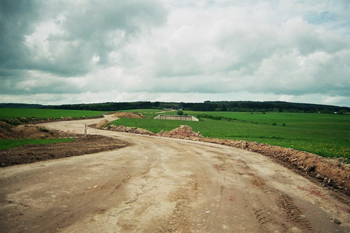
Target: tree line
234,106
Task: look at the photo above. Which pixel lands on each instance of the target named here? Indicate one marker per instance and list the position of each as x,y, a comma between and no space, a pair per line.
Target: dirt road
163,185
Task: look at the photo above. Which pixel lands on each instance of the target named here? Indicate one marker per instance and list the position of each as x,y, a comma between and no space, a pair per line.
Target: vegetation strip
13,143
24,116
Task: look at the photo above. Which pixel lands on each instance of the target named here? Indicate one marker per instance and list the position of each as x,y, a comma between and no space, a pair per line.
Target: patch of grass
322,134
12,143
13,113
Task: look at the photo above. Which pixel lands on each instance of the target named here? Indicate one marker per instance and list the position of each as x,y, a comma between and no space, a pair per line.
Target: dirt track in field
163,185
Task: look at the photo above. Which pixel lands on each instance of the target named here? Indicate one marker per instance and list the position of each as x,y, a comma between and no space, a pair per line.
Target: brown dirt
183,132
329,172
127,115
101,124
8,131
81,146
122,128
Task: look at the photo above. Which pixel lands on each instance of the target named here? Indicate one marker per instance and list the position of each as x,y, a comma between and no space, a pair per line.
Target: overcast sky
85,51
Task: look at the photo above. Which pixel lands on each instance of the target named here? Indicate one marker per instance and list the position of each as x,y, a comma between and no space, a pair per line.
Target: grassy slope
12,143
326,135
12,113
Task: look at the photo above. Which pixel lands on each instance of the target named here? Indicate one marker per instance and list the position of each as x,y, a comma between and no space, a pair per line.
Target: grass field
12,143
322,134
13,113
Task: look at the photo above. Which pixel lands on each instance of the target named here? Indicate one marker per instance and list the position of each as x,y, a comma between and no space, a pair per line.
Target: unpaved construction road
163,185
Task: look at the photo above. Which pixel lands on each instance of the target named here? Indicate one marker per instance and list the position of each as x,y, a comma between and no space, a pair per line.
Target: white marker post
85,130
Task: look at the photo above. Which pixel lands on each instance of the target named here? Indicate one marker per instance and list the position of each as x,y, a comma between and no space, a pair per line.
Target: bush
180,112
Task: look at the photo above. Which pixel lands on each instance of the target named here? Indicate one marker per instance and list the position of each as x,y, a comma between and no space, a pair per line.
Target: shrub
180,112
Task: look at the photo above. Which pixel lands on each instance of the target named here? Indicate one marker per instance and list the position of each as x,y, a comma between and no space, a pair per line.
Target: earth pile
127,115
183,132
8,131
122,128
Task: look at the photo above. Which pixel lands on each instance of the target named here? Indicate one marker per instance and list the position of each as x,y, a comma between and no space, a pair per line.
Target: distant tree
341,112
224,108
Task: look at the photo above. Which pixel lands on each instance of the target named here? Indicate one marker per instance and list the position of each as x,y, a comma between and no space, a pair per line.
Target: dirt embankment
8,131
128,115
81,146
330,172
34,153
37,120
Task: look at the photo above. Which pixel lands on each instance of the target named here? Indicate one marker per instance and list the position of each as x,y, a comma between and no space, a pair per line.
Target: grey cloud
83,32
16,20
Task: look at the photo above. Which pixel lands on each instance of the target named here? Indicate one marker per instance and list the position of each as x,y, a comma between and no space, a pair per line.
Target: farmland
13,113
327,135
323,134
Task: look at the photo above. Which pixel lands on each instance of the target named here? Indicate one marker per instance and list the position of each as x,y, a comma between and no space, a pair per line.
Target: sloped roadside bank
330,173
30,153
81,146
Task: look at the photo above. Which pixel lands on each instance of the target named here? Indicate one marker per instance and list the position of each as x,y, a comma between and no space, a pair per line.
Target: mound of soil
5,131
127,115
122,128
34,153
184,132
101,124
8,131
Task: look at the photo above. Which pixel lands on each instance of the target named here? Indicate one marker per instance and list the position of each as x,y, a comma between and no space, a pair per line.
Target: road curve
163,185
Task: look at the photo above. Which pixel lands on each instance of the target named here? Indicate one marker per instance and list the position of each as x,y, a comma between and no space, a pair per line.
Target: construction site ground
159,184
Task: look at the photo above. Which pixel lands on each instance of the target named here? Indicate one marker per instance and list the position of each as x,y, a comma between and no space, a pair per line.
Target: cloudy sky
85,51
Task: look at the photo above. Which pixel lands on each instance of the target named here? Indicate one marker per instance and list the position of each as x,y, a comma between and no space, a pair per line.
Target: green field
323,134
12,143
13,113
